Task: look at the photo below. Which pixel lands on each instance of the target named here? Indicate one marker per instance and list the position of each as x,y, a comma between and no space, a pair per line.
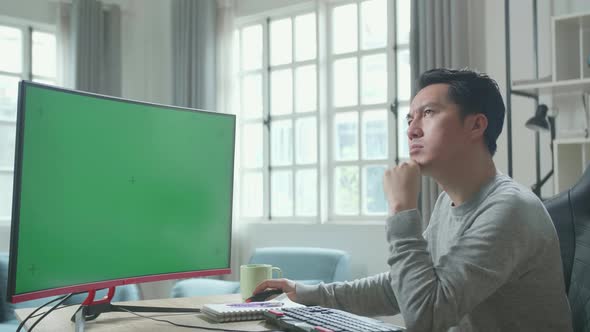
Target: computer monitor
110,191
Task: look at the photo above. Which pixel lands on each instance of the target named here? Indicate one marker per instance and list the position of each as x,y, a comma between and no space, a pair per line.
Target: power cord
61,299
184,325
62,307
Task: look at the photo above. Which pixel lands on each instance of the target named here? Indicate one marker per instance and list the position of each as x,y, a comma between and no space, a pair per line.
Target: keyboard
320,319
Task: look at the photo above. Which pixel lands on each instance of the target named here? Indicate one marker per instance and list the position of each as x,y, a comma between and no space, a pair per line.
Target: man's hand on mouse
401,185
288,287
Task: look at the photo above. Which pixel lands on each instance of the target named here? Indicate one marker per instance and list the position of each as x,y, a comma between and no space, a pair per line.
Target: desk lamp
541,122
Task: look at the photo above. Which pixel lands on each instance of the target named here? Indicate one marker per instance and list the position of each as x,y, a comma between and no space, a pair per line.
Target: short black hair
474,93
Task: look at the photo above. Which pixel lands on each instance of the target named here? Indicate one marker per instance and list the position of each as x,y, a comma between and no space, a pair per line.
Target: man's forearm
371,296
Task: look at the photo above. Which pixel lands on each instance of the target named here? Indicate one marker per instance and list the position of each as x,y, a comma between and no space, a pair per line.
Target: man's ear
478,124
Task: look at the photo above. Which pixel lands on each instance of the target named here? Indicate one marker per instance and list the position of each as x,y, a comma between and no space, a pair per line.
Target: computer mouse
262,296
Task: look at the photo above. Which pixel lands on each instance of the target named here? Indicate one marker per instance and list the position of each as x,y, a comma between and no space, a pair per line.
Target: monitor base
90,309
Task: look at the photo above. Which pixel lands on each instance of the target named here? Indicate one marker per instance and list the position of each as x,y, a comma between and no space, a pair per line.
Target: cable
184,325
50,310
20,326
65,306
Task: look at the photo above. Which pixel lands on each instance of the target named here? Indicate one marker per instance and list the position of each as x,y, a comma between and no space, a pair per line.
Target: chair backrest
570,212
305,263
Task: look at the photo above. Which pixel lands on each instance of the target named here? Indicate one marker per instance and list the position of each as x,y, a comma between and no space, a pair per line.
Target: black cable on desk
32,314
188,326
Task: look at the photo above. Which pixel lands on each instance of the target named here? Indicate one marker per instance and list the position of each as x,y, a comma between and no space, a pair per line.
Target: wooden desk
59,320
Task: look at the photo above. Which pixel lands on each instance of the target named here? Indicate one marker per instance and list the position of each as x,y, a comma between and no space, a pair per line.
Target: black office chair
570,211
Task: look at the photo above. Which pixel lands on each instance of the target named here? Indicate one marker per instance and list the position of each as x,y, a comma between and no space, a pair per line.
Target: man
489,259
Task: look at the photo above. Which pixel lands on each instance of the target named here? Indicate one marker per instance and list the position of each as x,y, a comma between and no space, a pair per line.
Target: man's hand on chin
402,185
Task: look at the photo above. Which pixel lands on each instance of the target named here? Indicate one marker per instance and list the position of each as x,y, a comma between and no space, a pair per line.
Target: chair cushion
304,263
570,213
579,290
200,287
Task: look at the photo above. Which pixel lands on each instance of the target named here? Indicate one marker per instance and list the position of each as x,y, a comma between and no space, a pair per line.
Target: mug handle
278,271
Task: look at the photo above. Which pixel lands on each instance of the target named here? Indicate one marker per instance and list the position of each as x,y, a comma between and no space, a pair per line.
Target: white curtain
89,46
227,103
194,53
225,70
439,38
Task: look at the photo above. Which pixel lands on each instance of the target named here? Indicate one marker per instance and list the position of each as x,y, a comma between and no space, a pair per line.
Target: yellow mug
253,274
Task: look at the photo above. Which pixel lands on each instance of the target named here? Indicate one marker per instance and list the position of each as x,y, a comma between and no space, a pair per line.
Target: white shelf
570,74
572,157
555,88
580,140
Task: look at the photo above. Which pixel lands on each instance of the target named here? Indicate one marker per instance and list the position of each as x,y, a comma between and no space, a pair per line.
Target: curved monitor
109,191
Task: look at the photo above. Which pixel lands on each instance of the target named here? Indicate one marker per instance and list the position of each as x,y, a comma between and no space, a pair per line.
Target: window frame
264,20
27,28
325,111
359,108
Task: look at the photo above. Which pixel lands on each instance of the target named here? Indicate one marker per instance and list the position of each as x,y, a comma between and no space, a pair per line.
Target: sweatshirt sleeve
436,297
371,296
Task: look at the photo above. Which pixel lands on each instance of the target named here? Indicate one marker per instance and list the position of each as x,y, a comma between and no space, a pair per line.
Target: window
27,53
317,88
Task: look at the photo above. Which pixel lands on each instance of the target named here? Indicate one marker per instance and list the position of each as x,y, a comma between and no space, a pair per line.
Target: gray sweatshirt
490,264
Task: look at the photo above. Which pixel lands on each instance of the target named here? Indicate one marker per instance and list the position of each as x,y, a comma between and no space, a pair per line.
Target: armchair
570,213
302,264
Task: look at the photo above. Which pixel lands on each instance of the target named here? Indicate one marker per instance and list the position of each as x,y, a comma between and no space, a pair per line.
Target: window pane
306,89
11,41
344,29
6,194
236,53
281,199
7,142
252,145
403,75
281,135
252,96
346,136
306,192
373,195
280,41
375,135
345,82
402,132
374,79
281,92
403,21
44,54
307,142
252,185
8,97
305,37
374,24
346,190
252,47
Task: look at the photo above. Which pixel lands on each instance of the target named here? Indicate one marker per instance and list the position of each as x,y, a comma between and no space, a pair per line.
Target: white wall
253,7
38,11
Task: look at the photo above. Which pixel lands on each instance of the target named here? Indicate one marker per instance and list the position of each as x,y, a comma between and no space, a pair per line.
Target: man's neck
461,182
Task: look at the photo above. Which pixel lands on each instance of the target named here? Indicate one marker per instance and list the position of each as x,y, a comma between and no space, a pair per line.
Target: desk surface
59,320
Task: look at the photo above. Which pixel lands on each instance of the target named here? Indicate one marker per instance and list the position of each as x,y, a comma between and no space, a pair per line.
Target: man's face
437,134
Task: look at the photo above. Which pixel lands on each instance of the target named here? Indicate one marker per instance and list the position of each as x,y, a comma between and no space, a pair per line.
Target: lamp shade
539,120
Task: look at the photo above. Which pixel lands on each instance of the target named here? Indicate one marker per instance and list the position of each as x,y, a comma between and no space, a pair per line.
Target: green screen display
109,189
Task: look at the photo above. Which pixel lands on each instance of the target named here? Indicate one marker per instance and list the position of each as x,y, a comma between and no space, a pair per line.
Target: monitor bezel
15,219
